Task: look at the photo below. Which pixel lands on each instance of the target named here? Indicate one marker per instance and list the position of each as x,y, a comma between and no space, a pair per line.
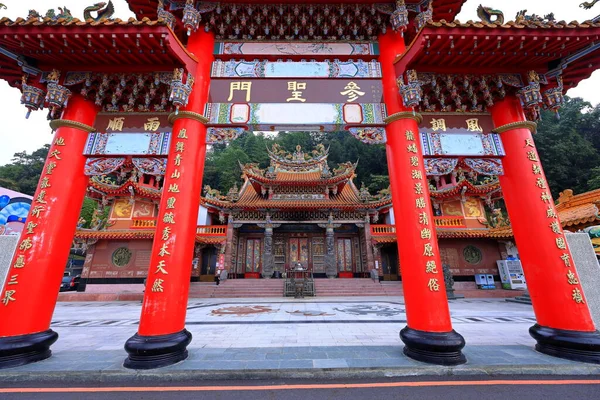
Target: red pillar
29,296
162,338
429,336
564,326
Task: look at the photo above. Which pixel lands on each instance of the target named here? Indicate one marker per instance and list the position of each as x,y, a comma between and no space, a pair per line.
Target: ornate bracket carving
189,115
222,135
268,225
369,135
403,115
532,126
58,123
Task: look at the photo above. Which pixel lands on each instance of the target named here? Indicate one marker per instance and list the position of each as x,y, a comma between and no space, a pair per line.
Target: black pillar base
148,352
25,349
441,348
572,345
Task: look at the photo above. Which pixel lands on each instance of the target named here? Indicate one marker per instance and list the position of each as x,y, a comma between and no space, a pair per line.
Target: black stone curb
159,377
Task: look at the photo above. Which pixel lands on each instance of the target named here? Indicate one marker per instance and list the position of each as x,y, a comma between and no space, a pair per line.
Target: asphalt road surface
417,388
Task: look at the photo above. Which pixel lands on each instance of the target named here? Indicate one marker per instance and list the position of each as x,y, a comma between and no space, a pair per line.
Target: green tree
9,184
24,170
594,181
567,154
87,210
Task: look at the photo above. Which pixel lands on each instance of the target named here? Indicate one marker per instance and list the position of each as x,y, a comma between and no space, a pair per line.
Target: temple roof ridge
279,155
567,199
299,168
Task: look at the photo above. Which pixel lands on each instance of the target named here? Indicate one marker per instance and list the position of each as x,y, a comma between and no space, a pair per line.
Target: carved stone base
441,348
25,349
148,352
572,345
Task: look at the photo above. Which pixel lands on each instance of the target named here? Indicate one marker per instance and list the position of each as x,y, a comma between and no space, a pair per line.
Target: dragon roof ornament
103,11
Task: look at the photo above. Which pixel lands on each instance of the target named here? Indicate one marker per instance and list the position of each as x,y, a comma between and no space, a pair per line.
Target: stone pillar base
571,345
149,352
25,349
441,348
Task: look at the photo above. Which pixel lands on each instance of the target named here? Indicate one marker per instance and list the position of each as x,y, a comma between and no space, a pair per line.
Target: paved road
471,388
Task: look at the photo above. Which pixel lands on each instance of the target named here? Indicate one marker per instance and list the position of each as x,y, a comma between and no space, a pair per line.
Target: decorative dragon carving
586,5
487,13
522,17
211,193
63,13
103,11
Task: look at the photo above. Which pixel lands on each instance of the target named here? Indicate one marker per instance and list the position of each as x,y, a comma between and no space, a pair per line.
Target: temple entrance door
299,252
208,264
345,259
389,259
318,255
253,258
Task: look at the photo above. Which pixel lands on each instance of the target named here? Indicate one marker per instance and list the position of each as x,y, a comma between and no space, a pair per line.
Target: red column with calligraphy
29,296
564,325
429,336
162,338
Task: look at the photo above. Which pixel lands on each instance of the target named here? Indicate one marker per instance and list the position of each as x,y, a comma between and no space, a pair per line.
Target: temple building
580,213
134,105
282,216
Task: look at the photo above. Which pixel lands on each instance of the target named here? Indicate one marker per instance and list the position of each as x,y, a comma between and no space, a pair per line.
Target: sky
20,134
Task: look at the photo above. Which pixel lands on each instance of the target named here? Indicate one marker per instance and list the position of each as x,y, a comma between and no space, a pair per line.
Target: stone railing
143,223
211,230
440,222
379,230
449,222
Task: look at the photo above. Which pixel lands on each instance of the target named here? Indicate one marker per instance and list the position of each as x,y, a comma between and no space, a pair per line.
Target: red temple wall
452,252
100,265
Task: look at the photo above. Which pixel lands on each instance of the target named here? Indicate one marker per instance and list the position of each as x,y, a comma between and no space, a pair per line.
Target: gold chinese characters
421,204
164,250
554,225
39,206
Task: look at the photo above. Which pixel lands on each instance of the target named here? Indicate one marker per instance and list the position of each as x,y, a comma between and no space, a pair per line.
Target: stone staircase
238,288
256,288
356,287
252,288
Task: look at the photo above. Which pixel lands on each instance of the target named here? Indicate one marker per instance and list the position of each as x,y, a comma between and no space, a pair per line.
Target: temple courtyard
268,337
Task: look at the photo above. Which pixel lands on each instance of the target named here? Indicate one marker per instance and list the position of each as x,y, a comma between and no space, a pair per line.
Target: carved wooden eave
112,46
237,19
125,189
549,48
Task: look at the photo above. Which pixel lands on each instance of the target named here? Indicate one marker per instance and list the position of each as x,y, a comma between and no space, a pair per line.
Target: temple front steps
257,288
239,288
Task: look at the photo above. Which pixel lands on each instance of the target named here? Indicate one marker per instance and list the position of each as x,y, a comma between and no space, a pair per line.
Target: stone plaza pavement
261,338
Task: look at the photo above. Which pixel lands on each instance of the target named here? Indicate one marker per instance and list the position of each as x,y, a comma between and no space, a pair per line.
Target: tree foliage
87,210
569,147
24,171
